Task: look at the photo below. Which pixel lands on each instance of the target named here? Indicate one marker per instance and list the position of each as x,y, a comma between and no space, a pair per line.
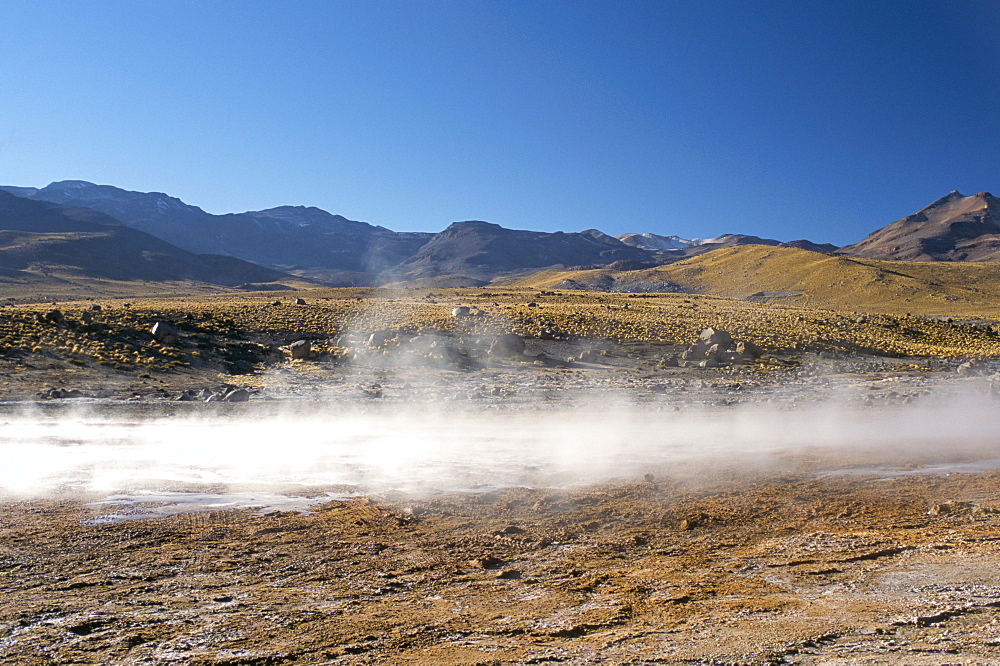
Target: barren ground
719,562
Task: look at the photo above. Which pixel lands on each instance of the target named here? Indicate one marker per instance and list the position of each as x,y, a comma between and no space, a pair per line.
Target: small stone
300,349
487,562
237,395
300,301
164,333
749,349
508,344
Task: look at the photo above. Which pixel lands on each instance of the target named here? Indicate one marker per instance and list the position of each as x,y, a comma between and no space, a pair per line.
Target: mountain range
153,236
42,241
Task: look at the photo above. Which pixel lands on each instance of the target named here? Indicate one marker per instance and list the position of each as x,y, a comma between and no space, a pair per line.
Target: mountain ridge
40,239
310,241
952,228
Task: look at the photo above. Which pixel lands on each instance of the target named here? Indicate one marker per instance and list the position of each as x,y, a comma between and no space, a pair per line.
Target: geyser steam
416,450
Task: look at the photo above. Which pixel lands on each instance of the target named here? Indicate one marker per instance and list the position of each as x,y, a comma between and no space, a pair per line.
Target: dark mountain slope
953,228
45,239
483,250
289,237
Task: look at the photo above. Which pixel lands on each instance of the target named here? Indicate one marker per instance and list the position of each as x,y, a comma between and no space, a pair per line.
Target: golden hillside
795,277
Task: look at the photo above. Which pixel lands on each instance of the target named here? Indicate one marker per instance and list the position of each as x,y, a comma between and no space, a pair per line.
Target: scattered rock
487,562
60,394
714,336
164,333
53,316
237,395
972,368
716,347
749,349
380,339
300,349
300,301
950,507
461,311
956,508
692,522
507,344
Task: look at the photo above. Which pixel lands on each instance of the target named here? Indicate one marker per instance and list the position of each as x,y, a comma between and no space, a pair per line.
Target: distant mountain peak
648,241
953,228
69,185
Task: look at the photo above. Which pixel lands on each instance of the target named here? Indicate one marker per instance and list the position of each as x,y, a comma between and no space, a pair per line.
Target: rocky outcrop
716,347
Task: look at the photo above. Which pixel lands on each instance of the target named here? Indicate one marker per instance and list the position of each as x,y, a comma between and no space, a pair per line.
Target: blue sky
819,120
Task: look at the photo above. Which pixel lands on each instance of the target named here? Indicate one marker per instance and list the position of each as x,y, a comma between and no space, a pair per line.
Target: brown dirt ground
721,567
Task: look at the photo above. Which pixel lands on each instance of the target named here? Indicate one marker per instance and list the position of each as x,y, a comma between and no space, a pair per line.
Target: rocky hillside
287,237
41,241
483,250
953,228
791,276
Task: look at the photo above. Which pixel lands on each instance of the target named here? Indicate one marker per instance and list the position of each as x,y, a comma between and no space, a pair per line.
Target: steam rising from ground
415,449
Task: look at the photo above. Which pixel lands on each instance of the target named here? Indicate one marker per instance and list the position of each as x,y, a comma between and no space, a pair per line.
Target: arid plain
820,488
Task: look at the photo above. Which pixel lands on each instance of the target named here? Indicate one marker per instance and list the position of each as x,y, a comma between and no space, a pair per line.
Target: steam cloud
416,449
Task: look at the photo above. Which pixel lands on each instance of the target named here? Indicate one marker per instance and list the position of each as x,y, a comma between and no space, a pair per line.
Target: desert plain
513,474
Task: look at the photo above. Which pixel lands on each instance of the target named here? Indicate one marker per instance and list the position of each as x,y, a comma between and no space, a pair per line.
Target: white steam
414,449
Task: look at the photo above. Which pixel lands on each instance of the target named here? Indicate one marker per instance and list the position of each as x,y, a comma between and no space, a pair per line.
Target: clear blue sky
822,120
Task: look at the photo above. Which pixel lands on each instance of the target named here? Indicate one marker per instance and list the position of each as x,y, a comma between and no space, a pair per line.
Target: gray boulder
237,395
164,333
507,344
300,349
714,336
